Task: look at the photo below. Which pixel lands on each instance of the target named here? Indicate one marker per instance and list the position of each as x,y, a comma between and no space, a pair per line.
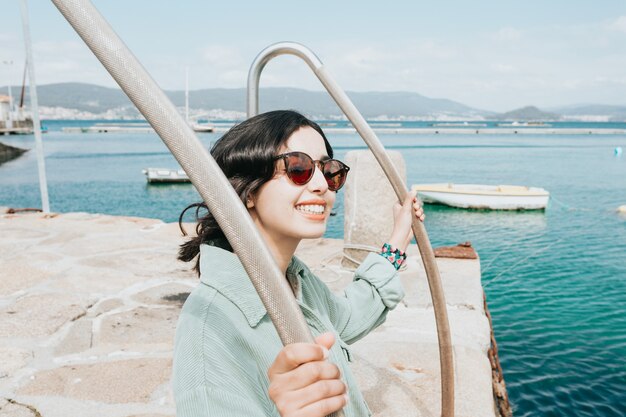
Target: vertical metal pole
187,94
43,182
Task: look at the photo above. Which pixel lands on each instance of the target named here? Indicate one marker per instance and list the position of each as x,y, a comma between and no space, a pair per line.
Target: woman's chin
314,233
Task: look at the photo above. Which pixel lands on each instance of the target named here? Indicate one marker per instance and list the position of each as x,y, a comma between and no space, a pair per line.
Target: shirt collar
223,271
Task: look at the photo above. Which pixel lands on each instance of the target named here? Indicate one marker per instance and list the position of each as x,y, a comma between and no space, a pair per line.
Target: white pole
43,184
187,94
10,120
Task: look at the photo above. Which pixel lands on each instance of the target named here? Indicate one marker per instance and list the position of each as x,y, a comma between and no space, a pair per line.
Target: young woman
228,358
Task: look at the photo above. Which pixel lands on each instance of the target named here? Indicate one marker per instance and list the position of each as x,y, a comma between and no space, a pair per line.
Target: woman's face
284,211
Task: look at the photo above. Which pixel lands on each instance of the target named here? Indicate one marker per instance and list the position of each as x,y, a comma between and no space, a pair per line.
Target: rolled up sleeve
375,289
379,272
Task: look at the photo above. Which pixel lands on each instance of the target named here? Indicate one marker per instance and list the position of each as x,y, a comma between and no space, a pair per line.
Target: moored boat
476,196
202,127
165,175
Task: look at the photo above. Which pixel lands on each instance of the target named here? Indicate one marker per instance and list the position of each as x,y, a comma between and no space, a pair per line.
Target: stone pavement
89,304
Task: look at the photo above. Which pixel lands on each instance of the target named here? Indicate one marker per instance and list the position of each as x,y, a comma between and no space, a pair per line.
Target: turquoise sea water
555,280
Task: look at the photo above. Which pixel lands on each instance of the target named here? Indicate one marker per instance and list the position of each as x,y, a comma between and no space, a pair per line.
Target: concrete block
139,326
78,338
126,381
15,409
165,294
368,204
13,358
22,276
397,365
39,315
104,306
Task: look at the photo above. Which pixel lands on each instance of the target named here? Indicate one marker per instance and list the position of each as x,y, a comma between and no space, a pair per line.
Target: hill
97,99
527,113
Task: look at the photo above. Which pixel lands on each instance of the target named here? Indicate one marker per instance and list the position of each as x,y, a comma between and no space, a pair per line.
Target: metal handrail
370,138
205,174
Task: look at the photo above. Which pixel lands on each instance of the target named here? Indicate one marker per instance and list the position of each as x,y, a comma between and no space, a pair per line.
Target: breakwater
8,153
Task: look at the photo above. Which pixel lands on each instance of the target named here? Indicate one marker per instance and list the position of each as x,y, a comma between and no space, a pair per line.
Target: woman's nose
318,182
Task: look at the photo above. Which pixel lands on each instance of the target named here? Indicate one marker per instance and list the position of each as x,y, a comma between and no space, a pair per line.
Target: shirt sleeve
375,289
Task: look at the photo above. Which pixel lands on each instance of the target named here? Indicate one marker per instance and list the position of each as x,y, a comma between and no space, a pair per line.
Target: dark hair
246,156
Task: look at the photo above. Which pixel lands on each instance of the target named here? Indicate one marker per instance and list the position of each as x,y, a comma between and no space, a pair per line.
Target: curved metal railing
203,171
370,138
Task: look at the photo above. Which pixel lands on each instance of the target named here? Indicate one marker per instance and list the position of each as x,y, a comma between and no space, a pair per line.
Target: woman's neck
281,247
282,250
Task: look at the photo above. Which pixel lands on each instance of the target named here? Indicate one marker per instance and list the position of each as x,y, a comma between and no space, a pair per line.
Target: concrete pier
89,304
392,131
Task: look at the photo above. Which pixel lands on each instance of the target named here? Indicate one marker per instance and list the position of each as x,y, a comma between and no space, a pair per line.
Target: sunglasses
300,168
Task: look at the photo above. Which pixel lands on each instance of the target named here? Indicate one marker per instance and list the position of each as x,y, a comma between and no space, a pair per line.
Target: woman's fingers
310,373
326,339
303,382
317,397
294,355
419,211
325,407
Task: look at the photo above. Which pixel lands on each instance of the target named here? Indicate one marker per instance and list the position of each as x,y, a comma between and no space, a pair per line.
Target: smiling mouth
315,209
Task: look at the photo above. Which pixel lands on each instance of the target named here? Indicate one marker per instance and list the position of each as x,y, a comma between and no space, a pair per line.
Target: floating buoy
617,151
622,209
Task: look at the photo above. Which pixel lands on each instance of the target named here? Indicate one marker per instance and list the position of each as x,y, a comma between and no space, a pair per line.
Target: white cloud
222,56
7,37
503,68
234,78
362,59
508,34
618,24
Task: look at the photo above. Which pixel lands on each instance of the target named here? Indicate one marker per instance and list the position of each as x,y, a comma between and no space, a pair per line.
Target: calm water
555,281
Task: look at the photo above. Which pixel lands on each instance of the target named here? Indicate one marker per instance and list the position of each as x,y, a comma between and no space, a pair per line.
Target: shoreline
387,131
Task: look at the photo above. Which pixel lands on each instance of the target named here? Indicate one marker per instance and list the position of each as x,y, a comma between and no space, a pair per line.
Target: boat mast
187,94
43,183
21,107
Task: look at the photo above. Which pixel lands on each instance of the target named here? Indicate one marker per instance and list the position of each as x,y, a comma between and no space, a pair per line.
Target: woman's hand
303,383
402,219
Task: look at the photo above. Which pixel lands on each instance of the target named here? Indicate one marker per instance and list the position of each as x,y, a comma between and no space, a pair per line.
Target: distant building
13,122
5,108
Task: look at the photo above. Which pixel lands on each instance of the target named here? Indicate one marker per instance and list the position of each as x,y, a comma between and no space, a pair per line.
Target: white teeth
311,208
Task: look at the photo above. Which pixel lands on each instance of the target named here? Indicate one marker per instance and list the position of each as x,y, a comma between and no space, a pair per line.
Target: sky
493,55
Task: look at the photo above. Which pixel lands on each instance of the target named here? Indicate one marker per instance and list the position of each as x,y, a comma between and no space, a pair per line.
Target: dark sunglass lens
299,168
335,174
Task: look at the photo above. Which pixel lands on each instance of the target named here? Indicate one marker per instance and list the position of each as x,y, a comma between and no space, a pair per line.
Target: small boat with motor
165,176
476,196
202,127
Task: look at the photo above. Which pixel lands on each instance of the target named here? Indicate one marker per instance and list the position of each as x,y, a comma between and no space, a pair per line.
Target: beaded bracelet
393,255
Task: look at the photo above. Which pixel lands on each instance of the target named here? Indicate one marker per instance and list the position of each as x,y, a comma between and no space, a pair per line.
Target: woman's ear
249,201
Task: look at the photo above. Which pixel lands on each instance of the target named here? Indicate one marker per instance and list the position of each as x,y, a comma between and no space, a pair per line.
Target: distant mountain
527,113
96,99
590,111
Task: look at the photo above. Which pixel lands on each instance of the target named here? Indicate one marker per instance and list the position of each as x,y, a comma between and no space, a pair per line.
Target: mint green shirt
225,341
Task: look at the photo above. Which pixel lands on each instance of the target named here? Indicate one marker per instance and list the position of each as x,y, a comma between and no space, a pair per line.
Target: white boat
164,175
494,197
459,124
202,127
524,124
